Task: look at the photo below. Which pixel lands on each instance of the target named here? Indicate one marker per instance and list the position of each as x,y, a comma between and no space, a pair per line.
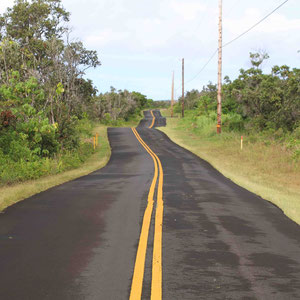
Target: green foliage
16,171
44,100
45,103
68,134
30,130
233,122
34,20
268,101
84,127
263,107
158,104
191,99
258,58
204,100
254,101
206,104
116,106
140,99
15,92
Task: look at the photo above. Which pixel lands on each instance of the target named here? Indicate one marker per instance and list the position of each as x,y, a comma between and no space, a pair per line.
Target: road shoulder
284,198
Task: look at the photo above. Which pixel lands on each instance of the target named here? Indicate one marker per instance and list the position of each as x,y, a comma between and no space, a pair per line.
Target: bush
177,108
68,135
84,127
12,171
233,122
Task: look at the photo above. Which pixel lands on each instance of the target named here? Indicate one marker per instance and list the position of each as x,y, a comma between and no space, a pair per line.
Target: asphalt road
80,240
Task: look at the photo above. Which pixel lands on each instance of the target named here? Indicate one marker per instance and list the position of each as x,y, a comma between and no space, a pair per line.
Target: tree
41,74
266,100
258,58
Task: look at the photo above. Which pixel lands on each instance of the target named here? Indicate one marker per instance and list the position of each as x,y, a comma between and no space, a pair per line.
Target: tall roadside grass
268,165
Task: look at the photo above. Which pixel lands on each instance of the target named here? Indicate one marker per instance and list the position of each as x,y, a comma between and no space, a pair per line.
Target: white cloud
274,24
105,37
188,10
279,23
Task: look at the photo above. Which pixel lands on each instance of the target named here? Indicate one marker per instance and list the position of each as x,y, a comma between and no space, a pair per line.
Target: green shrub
68,136
12,171
84,127
233,122
177,108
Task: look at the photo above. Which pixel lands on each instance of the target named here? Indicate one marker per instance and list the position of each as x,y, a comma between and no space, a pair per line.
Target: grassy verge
11,194
266,169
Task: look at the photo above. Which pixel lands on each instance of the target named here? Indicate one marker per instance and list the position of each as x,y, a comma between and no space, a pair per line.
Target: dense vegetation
265,107
47,107
115,107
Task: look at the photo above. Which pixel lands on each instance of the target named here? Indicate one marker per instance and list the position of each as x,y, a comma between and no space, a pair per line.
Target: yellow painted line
153,119
138,274
156,284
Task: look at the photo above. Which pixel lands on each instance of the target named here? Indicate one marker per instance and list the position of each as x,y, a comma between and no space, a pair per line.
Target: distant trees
267,100
120,104
191,99
263,101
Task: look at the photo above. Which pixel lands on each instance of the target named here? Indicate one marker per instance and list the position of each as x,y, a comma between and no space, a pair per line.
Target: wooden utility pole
219,108
172,99
182,104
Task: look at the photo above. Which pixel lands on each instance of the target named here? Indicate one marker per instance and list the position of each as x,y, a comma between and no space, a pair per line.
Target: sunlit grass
266,170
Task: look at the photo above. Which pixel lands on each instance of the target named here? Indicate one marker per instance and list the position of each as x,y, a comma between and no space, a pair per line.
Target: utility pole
172,99
182,104
219,107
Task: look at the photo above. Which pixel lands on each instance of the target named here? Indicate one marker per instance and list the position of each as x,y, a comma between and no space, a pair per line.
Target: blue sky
141,42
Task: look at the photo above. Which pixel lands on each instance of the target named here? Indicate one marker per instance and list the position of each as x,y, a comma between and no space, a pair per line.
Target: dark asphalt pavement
146,122
79,240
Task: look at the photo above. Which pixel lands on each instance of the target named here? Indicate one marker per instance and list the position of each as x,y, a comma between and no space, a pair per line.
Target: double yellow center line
153,119
138,274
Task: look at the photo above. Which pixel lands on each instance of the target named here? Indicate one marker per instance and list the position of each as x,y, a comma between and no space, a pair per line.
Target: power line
228,43
236,38
209,22
215,52
204,66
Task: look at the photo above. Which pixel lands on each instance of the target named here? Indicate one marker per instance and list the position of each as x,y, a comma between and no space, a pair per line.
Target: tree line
258,101
46,102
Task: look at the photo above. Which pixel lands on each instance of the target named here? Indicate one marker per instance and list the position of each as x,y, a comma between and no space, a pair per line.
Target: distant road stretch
156,223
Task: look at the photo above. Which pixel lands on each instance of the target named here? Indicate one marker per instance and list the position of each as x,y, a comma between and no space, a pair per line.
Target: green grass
266,168
10,194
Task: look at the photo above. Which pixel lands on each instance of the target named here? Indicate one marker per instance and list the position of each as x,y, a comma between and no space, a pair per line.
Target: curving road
193,235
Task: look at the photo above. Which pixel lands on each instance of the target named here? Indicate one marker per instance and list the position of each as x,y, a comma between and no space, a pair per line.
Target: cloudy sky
141,42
